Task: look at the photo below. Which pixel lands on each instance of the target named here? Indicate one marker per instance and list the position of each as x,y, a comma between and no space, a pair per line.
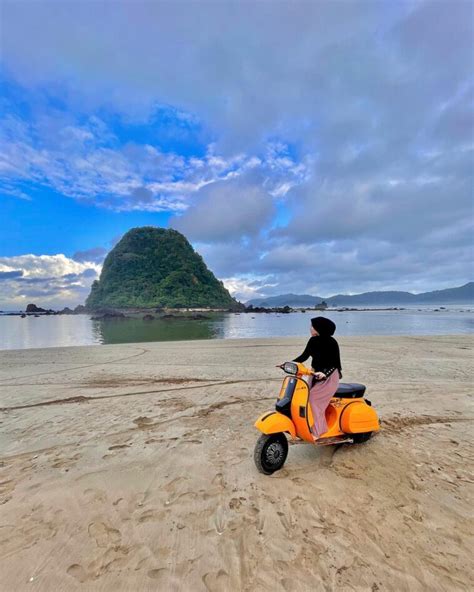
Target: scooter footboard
273,422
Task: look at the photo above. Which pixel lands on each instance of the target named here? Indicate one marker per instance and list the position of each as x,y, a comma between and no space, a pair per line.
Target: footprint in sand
151,516
171,486
235,503
220,520
143,421
287,584
33,528
298,481
105,536
287,521
219,481
216,582
347,471
112,559
157,573
66,462
243,453
77,571
95,495
180,496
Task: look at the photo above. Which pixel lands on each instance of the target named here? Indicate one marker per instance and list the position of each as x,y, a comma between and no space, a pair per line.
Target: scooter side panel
299,410
358,417
273,422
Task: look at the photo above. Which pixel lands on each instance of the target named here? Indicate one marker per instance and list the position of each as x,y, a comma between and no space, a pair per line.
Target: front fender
273,422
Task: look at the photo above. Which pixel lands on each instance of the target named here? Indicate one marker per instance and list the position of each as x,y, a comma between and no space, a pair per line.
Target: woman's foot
335,440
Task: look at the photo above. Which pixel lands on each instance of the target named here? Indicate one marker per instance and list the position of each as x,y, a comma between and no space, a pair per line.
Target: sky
308,147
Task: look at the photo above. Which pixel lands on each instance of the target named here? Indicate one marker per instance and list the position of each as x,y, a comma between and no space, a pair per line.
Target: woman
326,365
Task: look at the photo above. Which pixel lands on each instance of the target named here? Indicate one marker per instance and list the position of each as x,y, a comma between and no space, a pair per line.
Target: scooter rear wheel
361,438
270,452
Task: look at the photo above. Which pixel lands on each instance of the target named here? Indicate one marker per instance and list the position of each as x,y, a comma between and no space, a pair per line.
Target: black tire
270,452
361,438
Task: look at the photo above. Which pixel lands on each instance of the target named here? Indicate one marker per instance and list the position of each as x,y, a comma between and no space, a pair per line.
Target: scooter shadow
309,456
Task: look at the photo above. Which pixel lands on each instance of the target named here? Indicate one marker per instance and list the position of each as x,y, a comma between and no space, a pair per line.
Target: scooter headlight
290,367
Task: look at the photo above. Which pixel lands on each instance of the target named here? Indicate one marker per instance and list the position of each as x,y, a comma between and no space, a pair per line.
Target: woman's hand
320,375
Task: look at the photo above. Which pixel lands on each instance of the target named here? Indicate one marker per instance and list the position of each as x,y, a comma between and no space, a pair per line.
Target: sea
73,330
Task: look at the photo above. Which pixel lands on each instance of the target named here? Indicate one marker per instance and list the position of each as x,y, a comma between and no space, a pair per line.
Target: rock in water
156,267
34,308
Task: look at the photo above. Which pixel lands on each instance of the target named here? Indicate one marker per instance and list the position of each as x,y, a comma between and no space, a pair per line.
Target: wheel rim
274,453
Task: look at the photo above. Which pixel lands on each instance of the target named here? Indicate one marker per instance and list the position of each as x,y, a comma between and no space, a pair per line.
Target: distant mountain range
461,295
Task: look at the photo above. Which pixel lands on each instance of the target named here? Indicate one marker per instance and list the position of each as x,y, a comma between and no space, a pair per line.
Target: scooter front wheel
270,452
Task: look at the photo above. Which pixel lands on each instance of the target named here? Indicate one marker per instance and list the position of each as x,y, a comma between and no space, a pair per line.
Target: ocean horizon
75,330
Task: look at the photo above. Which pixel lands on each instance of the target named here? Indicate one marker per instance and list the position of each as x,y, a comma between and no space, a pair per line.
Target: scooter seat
351,390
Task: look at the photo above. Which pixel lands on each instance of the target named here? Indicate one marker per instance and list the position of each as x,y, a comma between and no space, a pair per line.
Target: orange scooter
350,418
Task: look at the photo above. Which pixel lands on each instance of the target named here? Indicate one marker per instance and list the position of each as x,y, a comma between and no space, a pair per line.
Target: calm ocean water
63,330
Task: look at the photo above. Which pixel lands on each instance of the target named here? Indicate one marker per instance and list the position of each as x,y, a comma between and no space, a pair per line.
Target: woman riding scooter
326,365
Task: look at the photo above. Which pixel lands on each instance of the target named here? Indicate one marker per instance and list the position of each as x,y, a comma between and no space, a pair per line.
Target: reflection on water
138,330
47,331
65,330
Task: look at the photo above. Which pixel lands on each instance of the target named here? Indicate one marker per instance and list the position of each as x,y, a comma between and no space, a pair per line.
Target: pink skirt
319,398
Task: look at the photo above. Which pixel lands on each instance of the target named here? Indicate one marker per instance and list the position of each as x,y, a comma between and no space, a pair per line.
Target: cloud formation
326,71
227,210
96,254
89,163
317,147
55,280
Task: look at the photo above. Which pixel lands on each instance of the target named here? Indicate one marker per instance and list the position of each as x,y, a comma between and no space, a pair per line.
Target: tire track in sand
85,399
143,351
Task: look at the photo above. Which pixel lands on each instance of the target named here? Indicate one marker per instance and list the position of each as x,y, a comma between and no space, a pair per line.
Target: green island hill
157,267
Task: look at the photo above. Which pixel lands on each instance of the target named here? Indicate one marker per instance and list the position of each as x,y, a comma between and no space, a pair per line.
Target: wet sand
129,467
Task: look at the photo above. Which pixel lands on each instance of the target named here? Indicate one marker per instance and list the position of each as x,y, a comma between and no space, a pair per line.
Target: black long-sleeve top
325,355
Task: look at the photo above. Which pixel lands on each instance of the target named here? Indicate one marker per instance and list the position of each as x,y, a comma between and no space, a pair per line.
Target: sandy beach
129,468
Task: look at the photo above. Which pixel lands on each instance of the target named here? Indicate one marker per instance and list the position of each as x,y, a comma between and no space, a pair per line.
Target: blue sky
313,148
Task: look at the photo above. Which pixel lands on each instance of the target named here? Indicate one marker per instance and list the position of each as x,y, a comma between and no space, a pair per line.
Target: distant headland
459,295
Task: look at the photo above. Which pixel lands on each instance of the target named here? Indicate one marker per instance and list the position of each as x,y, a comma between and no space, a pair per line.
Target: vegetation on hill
156,267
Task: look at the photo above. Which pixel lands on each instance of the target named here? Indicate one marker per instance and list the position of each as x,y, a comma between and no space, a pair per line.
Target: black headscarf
325,327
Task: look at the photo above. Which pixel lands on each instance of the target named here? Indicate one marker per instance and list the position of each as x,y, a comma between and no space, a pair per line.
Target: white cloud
47,280
89,164
244,288
37,266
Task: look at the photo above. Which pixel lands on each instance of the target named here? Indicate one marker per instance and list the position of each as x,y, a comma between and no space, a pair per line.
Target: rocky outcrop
153,268
32,308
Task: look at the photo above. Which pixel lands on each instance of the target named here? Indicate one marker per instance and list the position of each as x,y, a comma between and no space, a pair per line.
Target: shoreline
300,339
184,313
